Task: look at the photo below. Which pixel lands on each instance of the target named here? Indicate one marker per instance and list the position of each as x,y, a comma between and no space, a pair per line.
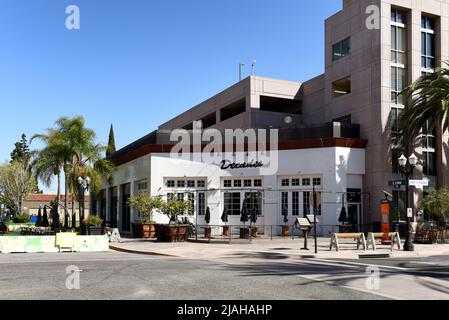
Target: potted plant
145,205
285,228
208,229
174,231
92,226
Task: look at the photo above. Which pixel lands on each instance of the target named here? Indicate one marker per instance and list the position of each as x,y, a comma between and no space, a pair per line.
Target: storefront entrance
354,216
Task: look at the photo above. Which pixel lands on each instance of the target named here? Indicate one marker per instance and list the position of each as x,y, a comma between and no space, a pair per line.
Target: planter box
143,230
91,231
207,232
172,233
244,233
285,231
254,232
226,231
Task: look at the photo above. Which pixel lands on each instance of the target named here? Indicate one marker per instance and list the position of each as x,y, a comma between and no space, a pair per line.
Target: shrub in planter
174,231
92,226
145,205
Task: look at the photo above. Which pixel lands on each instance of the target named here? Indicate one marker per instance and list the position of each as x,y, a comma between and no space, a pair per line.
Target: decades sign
225,164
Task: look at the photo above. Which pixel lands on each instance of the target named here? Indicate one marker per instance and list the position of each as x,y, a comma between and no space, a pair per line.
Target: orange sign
385,225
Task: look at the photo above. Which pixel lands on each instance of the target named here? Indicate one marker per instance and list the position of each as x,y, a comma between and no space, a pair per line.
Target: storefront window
295,203
232,203
201,204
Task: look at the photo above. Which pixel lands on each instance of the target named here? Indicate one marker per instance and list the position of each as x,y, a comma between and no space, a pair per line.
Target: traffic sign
419,183
397,183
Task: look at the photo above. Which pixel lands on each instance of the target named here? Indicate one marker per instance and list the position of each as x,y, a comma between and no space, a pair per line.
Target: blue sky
137,63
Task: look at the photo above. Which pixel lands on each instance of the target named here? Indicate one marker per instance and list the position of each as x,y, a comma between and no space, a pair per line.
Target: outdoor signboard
385,225
409,213
397,183
420,184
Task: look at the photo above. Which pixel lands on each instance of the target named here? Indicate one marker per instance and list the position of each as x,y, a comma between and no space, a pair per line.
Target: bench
358,236
393,236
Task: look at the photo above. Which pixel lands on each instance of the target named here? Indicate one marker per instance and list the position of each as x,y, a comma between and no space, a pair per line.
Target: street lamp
407,171
83,186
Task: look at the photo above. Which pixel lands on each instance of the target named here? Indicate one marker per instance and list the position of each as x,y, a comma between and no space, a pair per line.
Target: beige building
373,50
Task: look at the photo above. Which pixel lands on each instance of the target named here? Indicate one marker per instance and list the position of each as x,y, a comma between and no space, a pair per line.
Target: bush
93,221
24,218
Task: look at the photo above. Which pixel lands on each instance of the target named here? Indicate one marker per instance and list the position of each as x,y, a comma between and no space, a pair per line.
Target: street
116,275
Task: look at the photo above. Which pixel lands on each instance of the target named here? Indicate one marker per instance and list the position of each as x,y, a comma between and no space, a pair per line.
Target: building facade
373,50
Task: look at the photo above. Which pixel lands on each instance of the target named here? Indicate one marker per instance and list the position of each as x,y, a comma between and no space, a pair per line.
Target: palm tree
429,104
86,156
49,161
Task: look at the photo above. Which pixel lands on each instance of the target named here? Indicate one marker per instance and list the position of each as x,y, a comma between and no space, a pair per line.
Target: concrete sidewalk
279,248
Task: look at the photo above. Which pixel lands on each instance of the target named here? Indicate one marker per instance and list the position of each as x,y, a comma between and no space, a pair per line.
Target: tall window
428,143
201,203
427,43
295,203
284,203
398,80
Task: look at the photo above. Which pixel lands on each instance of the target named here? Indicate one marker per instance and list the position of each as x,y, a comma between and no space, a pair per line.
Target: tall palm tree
428,104
48,162
86,156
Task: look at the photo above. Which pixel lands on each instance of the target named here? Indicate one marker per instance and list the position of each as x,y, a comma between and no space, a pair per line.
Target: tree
146,204
21,151
436,205
175,207
429,104
16,184
111,143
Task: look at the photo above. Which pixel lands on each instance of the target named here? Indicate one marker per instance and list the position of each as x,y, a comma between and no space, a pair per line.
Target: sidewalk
279,248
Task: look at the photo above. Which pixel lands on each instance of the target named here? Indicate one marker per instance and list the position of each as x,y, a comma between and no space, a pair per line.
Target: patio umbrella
66,219
285,214
225,217
207,217
45,223
343,216
245,212
55,217
254,211
39,218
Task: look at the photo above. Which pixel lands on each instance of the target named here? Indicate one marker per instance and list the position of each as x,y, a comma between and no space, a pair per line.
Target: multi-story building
373,50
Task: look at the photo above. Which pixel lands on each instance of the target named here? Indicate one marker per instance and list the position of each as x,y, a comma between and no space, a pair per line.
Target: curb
147,253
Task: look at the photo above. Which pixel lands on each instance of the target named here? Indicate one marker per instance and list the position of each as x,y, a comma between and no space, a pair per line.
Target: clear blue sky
137,63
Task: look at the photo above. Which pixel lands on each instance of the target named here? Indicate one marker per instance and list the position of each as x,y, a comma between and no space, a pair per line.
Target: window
295,182
201,184
295,203
237,183
306,203
227,183
341,87
191,184
306,182
317,181
142,186
258,183
181,196
429,163
284,203
170,196
181,184
232,203
398,84
191,200
201,204
170,183
341,49
427,42
247,183
285,182
255,201
428,143
394,121
398,56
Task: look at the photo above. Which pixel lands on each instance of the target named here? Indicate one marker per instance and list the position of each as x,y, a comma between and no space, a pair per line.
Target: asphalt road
117,275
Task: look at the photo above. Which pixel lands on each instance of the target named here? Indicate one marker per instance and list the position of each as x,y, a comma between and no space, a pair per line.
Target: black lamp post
407,171
83,186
